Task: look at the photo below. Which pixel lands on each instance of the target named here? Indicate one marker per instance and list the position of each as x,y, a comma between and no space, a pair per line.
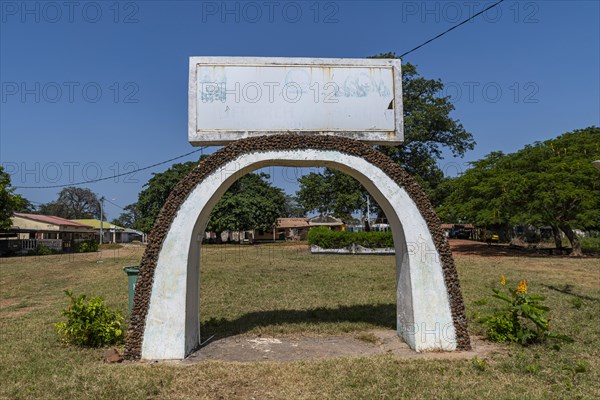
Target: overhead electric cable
112,176
448,30
114,204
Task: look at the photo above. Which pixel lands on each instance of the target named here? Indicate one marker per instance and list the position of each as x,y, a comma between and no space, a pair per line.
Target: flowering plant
522,320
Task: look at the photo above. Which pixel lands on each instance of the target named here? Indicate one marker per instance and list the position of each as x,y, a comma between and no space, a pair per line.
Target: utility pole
101,217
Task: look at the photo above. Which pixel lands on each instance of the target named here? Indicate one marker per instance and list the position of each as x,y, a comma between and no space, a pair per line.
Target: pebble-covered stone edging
232,151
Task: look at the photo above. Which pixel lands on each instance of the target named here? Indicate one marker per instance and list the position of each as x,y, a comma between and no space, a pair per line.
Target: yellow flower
522,288
519,287
503,281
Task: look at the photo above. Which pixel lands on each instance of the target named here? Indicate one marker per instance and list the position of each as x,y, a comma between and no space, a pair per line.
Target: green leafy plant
522,320
479,364
86,246
43,251
90,323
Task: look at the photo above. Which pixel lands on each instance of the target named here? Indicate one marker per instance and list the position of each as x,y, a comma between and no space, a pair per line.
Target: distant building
292,228
329,221
459,231
29,231
284,229
113,233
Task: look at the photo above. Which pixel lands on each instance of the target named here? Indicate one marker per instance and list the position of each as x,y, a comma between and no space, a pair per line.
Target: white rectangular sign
232,98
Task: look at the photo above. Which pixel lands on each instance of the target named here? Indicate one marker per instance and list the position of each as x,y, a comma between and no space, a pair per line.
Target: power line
112,176
114,204
448,30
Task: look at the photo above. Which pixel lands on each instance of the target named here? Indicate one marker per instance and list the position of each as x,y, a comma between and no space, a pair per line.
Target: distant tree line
551,183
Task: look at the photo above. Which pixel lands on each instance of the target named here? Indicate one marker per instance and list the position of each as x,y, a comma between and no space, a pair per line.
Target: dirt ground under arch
252,348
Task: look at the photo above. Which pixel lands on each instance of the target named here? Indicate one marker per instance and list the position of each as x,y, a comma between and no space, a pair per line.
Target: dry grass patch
275,290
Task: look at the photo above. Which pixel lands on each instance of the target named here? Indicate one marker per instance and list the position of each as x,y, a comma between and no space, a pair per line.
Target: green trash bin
132,275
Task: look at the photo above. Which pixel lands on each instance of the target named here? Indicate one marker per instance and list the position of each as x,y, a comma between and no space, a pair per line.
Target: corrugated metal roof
129,230
292,222
49,219
325,220
95,223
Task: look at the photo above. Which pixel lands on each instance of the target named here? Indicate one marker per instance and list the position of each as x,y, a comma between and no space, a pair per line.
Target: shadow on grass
481,249
568,289
378,315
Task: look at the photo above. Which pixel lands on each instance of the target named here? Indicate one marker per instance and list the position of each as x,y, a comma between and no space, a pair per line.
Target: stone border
354,249
234,150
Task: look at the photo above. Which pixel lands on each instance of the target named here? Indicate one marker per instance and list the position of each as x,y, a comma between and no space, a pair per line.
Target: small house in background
292,228
459,231
284,229
29,231
112,233
329,221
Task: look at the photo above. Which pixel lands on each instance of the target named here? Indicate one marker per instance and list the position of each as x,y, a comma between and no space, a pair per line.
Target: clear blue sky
543,56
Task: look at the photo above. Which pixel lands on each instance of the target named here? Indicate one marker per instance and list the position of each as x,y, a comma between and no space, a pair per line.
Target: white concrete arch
424,319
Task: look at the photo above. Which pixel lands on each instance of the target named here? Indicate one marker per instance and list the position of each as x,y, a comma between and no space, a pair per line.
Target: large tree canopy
129,217
73,203
157,189
250,203
9,201
333,192
550,183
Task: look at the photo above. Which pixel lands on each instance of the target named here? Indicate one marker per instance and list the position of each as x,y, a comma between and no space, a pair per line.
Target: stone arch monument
165,320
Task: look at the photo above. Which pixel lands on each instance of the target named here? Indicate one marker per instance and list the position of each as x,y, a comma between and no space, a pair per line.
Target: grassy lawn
281,290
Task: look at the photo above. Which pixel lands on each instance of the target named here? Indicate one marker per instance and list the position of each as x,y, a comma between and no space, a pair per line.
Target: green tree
333,192
128,218
9,201
314,193
73,203
25,206
549,183
250,203
157,189
292,208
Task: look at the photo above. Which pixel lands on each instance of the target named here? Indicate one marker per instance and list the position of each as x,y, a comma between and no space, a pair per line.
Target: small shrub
523,319
90,323
86,246
43,251
479,364
590,244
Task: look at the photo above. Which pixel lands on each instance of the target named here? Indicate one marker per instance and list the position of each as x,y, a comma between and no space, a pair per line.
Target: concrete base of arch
165,321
